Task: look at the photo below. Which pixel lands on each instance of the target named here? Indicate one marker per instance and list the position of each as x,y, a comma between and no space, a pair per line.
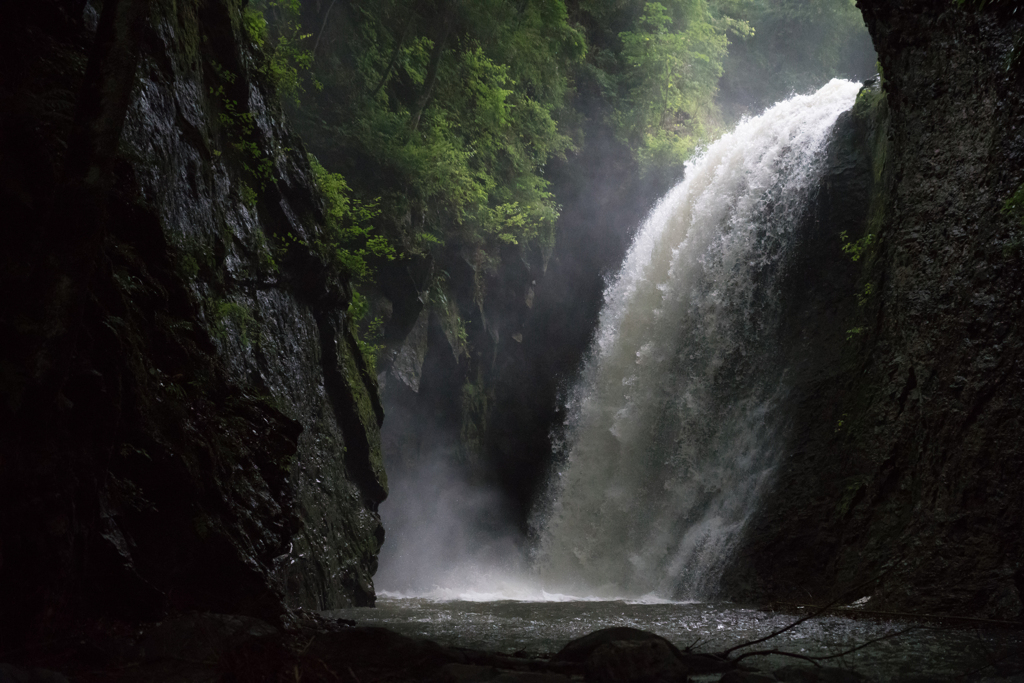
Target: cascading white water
671,435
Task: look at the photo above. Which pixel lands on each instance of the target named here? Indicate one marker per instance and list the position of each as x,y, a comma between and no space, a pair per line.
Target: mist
448,536
458,515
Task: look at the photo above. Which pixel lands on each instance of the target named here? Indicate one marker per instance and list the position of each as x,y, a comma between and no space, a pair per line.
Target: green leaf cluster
857,248
285,54
370,338
347,241
240,127
671,63
448,111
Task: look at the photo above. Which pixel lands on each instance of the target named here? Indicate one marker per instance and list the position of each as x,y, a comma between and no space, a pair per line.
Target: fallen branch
817,658
800,620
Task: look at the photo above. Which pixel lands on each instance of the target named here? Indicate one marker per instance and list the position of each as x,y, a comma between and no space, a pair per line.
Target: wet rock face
215,441
908,489
275,314
941,413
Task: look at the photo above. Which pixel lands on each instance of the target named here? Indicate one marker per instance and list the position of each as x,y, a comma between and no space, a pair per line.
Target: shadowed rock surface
903,482
193,427
213,647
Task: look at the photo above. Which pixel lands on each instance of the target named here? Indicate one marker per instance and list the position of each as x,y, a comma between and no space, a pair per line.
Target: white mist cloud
447,537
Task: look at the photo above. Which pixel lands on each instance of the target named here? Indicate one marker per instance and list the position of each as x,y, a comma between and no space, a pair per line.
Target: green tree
673,60
286,55
447,110
797,46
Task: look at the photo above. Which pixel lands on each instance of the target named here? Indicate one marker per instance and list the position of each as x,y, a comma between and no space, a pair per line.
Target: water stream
671,434
929,652
670,442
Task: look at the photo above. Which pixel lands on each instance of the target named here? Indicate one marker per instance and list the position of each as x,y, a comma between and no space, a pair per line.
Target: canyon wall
189,424
903,480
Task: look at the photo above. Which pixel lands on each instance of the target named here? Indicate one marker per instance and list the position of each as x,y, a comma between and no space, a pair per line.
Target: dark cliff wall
908,485
194,427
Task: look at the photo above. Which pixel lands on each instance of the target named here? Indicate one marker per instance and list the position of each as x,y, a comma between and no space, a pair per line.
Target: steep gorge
213,442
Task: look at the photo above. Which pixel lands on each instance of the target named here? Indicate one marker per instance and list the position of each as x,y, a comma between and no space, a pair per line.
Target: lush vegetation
449,110
797,46
442,115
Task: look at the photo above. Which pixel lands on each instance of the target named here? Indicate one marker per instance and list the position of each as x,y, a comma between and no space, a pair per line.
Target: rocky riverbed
311,647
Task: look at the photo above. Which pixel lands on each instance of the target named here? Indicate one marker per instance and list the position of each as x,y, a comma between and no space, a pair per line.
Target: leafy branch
347,241
241,127
284,56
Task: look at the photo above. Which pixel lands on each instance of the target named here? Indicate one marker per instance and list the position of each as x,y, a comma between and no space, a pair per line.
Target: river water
926,653
671,440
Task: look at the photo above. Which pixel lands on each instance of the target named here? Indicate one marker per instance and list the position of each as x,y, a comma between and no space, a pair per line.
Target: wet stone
636,661
810,674
579,650
747,677
471,673
12,674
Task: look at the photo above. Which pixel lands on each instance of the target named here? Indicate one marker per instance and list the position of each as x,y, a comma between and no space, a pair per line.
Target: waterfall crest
671,435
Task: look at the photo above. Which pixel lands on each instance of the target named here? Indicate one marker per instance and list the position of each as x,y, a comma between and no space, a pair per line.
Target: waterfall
671,435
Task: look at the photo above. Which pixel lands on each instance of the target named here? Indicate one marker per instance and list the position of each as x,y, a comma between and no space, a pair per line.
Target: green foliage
248,194
370,340
241,127
449,112
865,294
856,249
797,47
868,101
450,108
285,57
854,331
1015,204
673,60
447,311
347,242
227,315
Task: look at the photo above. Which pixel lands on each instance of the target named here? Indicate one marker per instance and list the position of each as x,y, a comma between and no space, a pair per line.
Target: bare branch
820,658
801,620
781,653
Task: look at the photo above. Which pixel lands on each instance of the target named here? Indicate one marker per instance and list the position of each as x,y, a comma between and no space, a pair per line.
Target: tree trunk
435,62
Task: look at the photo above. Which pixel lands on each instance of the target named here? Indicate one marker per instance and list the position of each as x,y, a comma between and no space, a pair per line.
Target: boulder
472,673
579,650
653,660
